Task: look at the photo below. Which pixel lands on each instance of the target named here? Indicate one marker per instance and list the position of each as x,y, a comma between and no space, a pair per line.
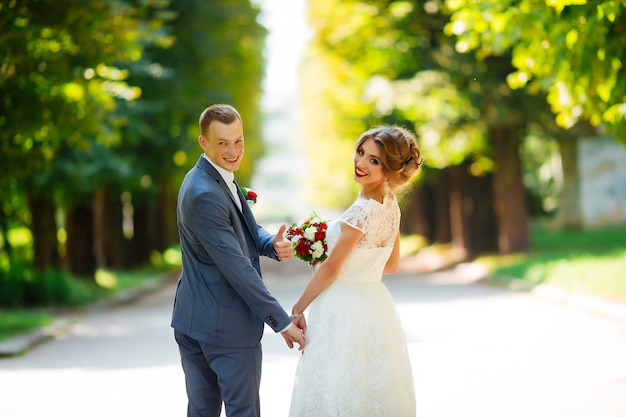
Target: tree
99,110
572,49
58,84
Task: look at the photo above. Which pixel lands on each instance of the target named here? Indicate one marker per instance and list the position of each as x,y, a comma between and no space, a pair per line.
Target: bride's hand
300,323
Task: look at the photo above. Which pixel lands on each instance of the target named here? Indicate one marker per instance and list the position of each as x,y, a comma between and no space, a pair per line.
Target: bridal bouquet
308,239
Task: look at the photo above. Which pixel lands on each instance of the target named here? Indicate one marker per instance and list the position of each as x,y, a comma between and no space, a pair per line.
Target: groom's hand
282,246
294,335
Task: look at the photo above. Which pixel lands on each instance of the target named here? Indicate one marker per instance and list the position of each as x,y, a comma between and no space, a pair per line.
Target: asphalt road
476,351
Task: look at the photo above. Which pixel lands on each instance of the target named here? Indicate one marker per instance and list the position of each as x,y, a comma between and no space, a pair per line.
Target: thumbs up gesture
282,246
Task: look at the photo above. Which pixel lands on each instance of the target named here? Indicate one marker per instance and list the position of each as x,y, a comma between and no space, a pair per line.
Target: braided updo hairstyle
400,156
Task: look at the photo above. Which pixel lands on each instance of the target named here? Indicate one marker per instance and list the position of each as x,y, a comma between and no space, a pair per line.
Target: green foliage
572,49
392,62
23,286
106,94
58,80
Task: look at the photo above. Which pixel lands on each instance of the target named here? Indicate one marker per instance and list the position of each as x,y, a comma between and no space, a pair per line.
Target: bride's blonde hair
400,156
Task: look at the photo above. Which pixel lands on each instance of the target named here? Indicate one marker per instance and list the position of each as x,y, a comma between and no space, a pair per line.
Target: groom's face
224,144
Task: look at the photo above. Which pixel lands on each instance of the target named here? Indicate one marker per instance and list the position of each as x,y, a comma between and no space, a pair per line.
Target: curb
22,343
591,304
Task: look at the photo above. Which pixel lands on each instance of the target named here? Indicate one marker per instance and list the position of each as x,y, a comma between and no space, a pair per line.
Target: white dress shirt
229,178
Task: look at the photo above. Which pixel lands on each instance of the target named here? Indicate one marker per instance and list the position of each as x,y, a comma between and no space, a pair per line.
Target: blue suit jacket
221,298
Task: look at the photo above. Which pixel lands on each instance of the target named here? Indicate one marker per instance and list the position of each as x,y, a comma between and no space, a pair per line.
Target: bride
356,362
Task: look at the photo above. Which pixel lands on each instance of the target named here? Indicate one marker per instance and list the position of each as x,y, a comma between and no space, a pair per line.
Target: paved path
476,352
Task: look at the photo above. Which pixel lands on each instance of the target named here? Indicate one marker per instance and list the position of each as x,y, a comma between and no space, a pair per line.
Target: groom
221,301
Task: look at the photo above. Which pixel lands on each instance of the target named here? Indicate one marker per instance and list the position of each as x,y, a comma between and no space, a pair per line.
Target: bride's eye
374,161
359,151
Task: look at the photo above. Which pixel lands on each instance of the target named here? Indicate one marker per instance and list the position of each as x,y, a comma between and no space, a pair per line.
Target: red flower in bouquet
308,239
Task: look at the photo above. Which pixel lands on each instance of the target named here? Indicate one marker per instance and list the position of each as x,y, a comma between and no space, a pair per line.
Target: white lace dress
355,363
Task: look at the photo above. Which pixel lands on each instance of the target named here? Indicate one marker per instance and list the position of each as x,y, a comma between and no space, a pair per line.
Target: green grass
589,262
13,323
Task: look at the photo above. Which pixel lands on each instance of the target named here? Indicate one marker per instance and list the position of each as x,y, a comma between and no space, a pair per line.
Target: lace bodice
379,223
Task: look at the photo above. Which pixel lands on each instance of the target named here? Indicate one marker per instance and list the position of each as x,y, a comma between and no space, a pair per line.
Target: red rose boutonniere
250,195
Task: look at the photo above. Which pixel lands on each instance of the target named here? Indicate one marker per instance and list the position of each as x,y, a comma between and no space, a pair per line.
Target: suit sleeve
266,243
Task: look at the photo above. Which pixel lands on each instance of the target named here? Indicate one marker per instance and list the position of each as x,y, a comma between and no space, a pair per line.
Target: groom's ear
202,142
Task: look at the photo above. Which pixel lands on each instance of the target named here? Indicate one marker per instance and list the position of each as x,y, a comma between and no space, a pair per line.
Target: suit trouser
215,374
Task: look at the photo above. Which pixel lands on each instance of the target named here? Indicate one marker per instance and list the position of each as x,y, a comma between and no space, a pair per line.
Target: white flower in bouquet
318,249
310,232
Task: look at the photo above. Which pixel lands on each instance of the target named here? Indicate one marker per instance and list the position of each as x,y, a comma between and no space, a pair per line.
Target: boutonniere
250,195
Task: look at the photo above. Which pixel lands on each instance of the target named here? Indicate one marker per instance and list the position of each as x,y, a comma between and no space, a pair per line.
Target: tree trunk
167,229
115,243
569,215
109,241
44,230
484,238
441,208
510,199
414,219
80,242
474,229
99,227
142,243
4,234
460,210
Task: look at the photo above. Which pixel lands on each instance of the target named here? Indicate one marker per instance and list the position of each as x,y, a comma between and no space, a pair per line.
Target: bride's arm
328,270
394,259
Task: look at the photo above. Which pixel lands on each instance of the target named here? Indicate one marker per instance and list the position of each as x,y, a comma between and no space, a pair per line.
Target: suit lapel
247,213
206,166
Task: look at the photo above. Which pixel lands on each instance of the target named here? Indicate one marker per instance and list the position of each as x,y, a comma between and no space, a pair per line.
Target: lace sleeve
378,223
356,216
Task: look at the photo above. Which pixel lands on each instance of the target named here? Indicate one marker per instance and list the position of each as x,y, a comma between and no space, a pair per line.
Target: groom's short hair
223,113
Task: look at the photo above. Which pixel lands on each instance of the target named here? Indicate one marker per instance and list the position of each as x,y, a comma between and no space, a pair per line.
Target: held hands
299,327
282,246
294,334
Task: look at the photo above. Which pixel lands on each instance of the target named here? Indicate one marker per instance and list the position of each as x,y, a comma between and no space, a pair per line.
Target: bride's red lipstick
359,173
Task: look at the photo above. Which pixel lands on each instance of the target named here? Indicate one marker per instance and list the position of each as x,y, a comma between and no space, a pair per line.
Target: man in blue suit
221,301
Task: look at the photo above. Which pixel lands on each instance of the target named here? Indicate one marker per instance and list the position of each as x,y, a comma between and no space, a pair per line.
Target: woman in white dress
355,363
